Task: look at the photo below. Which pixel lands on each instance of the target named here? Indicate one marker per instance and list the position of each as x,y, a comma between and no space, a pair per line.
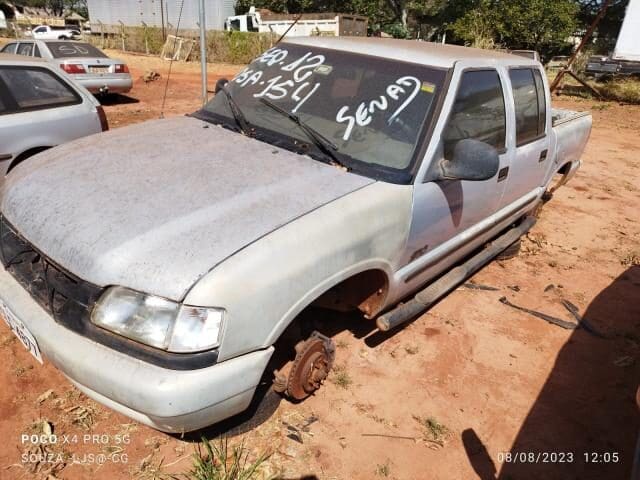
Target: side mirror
219,84
472,160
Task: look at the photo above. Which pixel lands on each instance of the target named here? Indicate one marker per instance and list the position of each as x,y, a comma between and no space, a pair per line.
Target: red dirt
498,379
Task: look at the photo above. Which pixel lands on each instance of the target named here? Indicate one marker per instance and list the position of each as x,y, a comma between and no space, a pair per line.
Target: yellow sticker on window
428,87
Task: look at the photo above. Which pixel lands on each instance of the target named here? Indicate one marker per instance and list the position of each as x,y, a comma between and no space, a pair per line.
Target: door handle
543,156
5,157
503,173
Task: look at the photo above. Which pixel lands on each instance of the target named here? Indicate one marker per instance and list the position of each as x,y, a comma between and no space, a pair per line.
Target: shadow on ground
587,406
116,99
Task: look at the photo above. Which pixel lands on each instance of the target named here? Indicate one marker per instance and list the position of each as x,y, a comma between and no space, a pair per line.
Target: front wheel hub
313,362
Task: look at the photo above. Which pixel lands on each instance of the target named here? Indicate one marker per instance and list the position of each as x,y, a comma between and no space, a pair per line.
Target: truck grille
65,297
69,300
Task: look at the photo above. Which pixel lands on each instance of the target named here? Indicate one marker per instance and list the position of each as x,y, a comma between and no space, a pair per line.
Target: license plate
98,69
21,331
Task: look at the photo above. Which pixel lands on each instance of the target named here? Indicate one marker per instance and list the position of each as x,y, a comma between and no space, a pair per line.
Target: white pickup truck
46,32
160,265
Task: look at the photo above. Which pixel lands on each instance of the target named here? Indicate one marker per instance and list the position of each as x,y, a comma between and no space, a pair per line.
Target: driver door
447,213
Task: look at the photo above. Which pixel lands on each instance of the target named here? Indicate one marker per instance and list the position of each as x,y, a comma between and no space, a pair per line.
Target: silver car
41,107
86,64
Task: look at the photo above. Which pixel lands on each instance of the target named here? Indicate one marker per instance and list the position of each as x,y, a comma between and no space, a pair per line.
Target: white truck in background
48,32
625,59
305,25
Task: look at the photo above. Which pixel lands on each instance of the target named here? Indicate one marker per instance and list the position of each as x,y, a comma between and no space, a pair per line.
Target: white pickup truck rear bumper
168,400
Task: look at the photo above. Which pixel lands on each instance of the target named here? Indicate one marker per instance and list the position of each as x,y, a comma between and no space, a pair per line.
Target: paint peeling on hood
155,206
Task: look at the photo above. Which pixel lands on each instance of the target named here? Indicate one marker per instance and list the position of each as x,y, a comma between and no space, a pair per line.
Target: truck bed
572,131
561,115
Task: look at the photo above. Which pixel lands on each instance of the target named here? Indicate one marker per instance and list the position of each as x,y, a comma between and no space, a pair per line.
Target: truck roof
428,53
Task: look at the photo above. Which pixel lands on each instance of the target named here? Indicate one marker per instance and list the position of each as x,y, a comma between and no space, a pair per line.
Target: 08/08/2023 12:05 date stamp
559,457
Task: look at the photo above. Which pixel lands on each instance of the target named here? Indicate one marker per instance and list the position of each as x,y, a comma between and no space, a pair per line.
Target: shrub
226,47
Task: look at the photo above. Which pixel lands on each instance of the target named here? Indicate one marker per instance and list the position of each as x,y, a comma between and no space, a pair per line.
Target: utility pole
203,52
567,68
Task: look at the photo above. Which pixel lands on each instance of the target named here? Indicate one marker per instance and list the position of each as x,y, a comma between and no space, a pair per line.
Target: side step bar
450,280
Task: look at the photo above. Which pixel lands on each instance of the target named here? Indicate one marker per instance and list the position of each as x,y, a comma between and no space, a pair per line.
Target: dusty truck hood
155,206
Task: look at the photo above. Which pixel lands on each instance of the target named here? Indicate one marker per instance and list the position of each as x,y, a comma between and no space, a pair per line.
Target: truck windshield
372,109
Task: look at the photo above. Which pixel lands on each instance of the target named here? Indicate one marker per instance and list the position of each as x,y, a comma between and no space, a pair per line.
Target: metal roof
428,53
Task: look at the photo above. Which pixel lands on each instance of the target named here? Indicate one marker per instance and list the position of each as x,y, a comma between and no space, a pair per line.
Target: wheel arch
364,286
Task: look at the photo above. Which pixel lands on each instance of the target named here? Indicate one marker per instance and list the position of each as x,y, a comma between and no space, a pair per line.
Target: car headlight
158,322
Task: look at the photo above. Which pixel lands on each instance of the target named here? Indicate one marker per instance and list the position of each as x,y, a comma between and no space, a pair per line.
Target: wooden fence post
101,33
122,36
146,39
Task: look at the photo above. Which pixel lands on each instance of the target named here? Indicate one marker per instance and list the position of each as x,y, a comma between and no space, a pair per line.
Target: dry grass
631,259
383,470
625,90
619,89
220,461
340,377
434,431
226,47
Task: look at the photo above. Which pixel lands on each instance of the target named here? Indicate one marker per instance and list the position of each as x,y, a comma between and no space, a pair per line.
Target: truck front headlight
158,322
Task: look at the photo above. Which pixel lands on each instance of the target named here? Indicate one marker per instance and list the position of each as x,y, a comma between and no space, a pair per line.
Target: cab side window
478,112
10,48
25,49
530,106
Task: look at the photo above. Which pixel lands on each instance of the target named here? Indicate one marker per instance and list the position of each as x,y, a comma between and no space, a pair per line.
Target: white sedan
88,65
41,107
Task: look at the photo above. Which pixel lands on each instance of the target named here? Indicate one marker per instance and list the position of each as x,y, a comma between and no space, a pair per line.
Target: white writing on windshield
275,88
364,113
299,87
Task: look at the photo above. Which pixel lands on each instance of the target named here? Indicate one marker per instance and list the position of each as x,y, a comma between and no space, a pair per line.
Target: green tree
537,24
479,24
540,25
56,7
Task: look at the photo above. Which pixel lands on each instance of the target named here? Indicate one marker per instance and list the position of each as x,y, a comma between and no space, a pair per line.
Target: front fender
264,286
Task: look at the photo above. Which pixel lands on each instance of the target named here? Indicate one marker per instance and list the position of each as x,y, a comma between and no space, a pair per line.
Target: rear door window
478,111
11,48
35,88
36,51
530,106
25,49
542,103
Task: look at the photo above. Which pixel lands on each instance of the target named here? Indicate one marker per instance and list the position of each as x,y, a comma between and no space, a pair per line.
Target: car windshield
371,109
74,50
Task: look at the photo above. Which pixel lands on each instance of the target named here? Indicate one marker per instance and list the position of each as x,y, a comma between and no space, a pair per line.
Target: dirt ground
446,397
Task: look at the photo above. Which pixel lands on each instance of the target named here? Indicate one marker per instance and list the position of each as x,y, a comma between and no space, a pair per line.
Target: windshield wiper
319,140
236,111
